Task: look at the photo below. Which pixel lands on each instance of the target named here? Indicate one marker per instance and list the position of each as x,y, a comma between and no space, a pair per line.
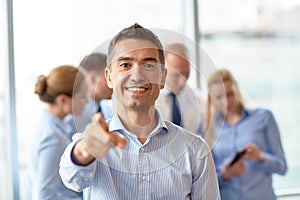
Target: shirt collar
94,104
185,91
115,124
165,92
63,126
245,113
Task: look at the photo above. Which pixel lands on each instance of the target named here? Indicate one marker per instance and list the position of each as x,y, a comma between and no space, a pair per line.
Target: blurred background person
64,92
99,93
230,128
178,101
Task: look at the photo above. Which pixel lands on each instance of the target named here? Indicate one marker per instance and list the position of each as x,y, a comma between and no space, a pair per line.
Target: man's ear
108,78
163,78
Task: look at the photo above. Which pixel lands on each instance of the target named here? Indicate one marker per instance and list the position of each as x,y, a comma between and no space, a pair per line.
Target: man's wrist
80,155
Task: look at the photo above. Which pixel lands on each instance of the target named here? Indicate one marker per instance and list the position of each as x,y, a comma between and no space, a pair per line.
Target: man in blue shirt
155,159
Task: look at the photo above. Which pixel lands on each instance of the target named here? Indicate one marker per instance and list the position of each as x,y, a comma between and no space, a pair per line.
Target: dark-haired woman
64,90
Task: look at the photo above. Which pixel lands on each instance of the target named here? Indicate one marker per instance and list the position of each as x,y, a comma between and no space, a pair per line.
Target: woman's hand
236,169
253,153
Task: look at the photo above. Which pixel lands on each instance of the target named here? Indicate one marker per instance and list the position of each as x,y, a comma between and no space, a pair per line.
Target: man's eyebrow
124,59
150,59
131,59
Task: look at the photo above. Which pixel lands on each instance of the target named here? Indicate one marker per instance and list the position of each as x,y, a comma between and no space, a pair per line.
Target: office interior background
258,40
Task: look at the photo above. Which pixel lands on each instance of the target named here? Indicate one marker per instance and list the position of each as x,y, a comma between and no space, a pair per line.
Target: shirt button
144,178
142,149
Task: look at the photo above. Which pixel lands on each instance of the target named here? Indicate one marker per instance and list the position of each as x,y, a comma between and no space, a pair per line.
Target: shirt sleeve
274,158
205,183
75,177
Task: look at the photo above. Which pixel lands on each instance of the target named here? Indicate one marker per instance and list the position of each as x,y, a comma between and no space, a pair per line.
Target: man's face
102,91
135,75
178,72
98,88
80,99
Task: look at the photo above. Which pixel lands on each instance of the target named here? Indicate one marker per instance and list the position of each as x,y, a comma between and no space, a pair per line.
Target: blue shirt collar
245,114
60,124
115,124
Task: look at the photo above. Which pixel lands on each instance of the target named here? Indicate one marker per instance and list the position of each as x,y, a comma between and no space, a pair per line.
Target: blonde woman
64,92
232,128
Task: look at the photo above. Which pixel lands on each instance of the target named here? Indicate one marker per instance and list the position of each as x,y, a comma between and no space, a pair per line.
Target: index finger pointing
114,138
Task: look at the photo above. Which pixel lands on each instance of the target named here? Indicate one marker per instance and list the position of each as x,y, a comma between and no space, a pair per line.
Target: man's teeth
136,89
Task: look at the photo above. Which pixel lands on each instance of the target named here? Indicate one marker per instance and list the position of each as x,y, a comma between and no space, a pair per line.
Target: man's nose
136,73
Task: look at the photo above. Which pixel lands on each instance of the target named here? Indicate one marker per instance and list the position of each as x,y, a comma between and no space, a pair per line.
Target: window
259,42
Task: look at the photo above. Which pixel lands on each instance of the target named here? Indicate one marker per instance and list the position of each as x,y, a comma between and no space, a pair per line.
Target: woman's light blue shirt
46,147
259,127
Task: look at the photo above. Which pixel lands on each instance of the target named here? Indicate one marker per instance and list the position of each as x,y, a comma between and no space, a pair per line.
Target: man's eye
148,66
125,65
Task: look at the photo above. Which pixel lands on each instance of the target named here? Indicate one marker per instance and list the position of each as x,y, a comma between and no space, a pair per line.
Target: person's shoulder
50,126
46,137
45,122
260,114
260,111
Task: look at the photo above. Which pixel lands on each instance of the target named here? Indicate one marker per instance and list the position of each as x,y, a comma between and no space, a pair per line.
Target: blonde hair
219,77
64,79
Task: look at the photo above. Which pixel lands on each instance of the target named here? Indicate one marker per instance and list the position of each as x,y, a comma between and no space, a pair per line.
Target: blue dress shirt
258,127
47,145
172,164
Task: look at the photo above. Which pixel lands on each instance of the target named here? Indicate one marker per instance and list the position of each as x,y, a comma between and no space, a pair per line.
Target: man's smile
137,89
